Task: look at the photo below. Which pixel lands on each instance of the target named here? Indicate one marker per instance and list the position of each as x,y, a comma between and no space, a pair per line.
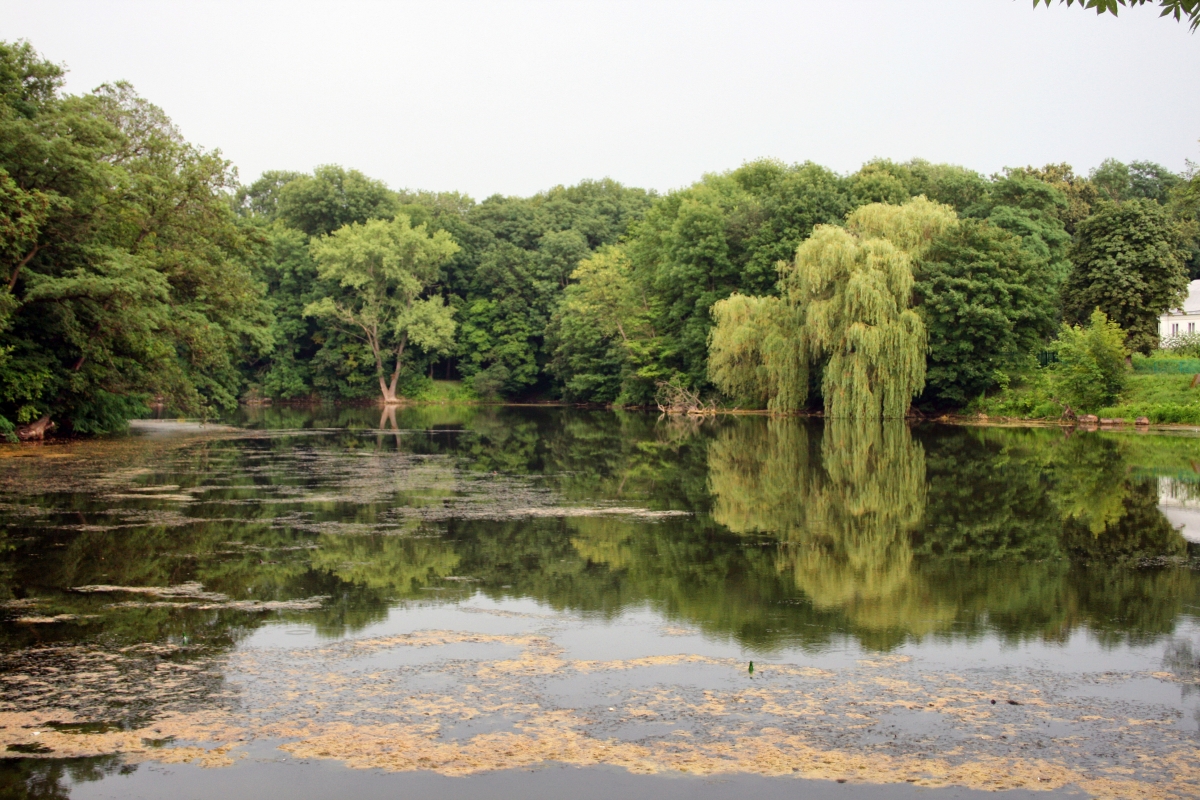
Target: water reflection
843,510
44,779
795,533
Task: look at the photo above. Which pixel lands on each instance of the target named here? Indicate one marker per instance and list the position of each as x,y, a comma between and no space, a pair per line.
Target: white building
1182,321
1180,504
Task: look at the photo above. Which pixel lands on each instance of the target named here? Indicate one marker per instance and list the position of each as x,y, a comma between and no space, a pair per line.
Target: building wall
1178,324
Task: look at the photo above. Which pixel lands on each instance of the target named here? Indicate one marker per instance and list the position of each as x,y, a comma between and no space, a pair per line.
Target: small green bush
1090,372
439,391
1030,395
1182,345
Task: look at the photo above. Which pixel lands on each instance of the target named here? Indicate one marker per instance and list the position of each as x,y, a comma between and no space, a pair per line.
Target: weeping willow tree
753,355
845,306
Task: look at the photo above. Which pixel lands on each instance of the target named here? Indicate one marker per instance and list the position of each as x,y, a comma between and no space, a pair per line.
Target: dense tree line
137,270
125,269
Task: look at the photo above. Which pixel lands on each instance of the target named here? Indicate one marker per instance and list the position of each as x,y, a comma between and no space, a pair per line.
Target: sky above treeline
515,97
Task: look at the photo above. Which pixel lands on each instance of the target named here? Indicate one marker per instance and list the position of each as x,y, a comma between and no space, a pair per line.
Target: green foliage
1179,9
516,259
754,357
1030,394
383,271
1090,372
599,331
845,307
1129,264
1138,179
329,199
260,200
285,267
1080,193
724,234
103,412
987,301
1157,413
858,290
442,391
885,181
124,271
1184,204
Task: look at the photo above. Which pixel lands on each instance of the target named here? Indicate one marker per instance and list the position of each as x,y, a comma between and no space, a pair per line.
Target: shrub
1185,345
1090,372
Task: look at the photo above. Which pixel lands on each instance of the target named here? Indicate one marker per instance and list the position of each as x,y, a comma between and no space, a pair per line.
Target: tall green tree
331,198
516,259
1145,179
601,331
383,273
126,276
845,310
283,263
725,234
986,301
1079,192
1129,263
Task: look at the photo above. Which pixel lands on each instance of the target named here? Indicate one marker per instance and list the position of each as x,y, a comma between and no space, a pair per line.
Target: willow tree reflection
844,500
798,531
963,531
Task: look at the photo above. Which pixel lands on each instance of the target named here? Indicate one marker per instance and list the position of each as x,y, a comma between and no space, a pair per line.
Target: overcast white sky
515,97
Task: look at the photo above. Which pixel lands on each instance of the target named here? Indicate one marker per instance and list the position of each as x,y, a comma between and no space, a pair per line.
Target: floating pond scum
532,602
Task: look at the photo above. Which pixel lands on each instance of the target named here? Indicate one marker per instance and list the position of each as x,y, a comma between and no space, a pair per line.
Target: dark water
538,602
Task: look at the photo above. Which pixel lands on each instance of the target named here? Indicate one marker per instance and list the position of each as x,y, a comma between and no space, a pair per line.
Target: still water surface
535,602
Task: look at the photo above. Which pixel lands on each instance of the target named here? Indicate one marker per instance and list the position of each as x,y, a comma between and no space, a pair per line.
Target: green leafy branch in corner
1170,8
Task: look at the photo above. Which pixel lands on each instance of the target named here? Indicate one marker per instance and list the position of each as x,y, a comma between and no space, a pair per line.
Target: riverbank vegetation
139,270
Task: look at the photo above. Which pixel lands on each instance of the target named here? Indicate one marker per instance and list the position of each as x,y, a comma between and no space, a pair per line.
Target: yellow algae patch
884,661
650,661
676,631
679,713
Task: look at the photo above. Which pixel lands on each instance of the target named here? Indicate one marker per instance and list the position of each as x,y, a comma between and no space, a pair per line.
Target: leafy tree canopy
124,273
382,271
986,301
1179,9
1129,263
845,309
330,198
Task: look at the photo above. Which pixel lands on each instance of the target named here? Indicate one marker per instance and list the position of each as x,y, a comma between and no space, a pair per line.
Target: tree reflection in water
843,508
798,531
1024,532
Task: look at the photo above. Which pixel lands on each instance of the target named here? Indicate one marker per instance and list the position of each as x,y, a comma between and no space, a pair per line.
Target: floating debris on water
190,591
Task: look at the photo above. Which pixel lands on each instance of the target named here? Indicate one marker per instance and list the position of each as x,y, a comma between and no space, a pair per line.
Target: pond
506,601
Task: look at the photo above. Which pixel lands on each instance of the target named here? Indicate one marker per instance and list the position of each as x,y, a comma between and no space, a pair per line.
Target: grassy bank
1163,398
440,391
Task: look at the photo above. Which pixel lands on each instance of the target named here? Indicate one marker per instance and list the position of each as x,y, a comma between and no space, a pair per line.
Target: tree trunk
388,391
35,430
